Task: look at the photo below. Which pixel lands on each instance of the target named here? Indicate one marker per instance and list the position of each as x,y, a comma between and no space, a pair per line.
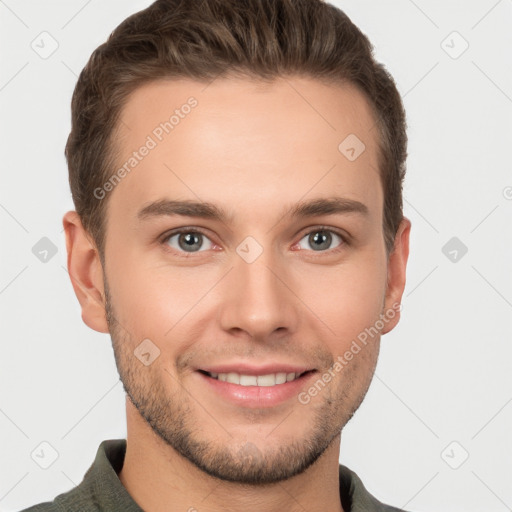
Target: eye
187,240
321,240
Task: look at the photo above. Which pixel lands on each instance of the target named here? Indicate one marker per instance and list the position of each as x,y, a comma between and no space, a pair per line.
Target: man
236,169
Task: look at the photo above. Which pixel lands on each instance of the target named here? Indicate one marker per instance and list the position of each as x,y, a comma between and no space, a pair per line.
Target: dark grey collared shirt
102,491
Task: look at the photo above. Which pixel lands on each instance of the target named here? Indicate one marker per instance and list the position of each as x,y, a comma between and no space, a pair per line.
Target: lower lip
258,396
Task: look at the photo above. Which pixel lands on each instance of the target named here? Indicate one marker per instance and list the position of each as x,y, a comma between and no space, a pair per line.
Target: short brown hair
205,39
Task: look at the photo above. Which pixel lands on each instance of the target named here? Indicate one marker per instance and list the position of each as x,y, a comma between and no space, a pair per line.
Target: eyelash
344,238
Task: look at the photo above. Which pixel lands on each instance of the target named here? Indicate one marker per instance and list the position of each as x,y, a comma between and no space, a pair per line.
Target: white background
444,374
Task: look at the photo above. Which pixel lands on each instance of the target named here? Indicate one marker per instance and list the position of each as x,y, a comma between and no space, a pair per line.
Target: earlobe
85,272
396,276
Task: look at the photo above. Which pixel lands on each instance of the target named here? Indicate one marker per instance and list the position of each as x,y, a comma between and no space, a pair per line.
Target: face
279,269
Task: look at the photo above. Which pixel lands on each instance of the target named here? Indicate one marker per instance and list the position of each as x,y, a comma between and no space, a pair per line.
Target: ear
85,271
397,264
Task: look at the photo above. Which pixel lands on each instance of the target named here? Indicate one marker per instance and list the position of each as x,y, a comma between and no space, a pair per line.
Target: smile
271,379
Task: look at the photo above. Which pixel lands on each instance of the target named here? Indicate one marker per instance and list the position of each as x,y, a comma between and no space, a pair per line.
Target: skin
254,150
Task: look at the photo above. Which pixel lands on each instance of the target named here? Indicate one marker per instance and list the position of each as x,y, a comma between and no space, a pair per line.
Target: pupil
189,240
322,238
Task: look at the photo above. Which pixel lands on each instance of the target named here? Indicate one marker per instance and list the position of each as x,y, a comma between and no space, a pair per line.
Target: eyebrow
205,210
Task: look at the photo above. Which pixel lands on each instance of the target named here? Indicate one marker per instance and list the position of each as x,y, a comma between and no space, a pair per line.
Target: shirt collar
103,481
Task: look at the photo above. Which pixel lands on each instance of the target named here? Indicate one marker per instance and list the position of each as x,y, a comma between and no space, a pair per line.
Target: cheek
346,300
150,300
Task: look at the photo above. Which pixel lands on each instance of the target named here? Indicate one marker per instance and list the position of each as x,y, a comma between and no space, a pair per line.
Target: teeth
234,378
280,378
267,380
248,380
271,379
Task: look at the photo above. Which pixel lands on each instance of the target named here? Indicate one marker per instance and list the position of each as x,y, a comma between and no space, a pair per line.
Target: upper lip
248,369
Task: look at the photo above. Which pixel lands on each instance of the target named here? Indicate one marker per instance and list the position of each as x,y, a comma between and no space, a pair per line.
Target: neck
159,479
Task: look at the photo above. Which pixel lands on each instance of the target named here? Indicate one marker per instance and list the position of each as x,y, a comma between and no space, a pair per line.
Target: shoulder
356,498
43,507
74,500
100,489
70,501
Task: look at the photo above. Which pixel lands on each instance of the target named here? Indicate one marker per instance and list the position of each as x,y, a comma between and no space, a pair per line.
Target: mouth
268,380
255,388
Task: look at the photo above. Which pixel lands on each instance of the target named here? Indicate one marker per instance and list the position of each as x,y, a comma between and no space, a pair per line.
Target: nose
259,298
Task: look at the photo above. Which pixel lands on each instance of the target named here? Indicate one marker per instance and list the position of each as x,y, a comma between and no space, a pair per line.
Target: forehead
235,138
